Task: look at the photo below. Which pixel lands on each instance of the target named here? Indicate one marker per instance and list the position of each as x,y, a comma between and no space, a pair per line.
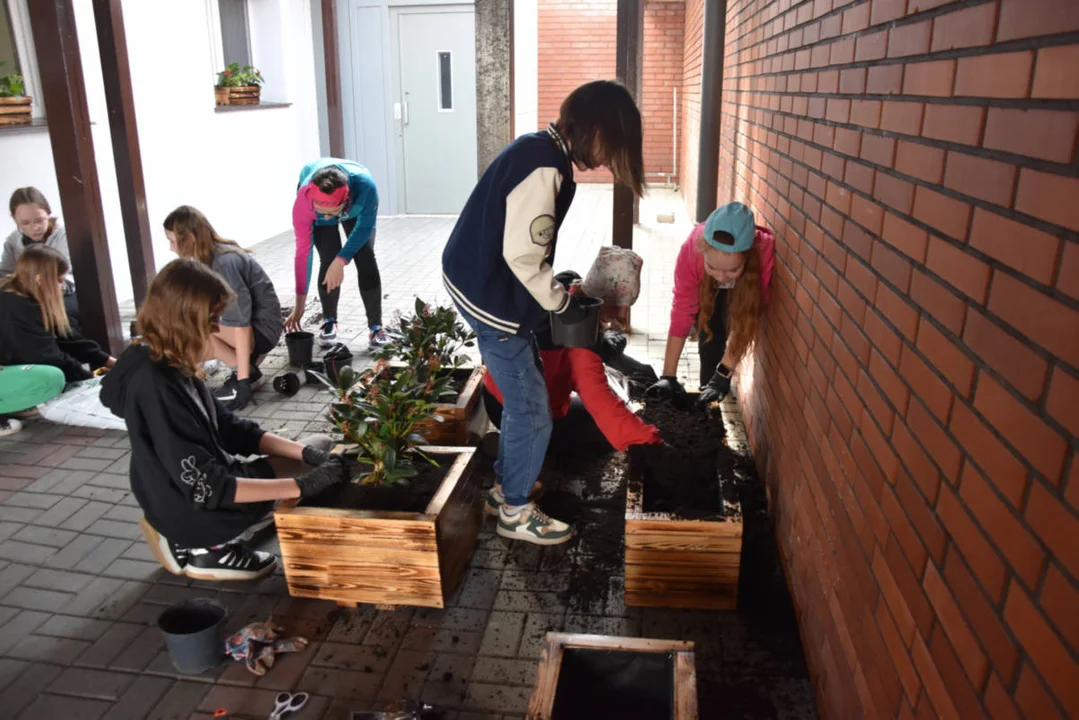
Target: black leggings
327,241
711,351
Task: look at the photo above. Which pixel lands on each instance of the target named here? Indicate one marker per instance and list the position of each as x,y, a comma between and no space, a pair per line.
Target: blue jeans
513,364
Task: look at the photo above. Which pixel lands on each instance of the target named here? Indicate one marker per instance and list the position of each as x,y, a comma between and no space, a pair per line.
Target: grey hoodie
16,242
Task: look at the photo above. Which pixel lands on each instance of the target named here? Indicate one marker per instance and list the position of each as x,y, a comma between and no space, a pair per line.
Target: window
9,52
235,37
445,82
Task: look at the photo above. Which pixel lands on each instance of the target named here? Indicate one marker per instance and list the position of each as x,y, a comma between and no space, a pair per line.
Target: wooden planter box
453,430
16,111
380,557
670,677
245,95
676,563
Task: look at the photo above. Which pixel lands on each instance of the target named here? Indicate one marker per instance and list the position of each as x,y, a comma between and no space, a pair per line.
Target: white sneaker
327,336
532,525
10,426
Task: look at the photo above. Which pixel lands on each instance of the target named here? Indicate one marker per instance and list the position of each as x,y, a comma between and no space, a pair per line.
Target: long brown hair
38,274
32,196
599,119
743,305
182,306
195,236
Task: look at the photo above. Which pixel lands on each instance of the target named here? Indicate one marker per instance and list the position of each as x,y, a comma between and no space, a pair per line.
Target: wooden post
715,15
335,113
56,41
112,45
628,56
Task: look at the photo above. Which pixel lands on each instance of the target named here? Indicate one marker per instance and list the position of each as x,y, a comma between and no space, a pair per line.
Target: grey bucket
194,633
582,334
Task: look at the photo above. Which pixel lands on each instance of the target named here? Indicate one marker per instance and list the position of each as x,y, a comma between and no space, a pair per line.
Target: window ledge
265,105
36,125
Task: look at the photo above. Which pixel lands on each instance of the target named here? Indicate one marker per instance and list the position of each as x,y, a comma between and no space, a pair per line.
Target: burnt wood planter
689,559
16,111
598,676
386,557
243,95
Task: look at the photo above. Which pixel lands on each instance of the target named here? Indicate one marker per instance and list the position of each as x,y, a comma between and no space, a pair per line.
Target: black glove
313,456
574,312
322,478
666,388
244,395
716,389
611,345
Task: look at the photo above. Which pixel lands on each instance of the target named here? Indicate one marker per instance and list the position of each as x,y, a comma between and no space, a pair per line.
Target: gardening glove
666,388
244,395
322,478
574,311
716,389
313,456
611,345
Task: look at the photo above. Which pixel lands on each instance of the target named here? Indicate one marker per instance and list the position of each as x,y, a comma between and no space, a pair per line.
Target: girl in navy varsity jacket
497,268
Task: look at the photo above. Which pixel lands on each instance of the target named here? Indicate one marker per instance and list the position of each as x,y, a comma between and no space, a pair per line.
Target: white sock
512,510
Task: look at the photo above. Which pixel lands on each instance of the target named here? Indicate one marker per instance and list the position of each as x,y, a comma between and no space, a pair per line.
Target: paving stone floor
80,592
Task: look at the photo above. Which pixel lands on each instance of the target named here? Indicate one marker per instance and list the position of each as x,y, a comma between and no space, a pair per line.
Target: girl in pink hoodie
721,282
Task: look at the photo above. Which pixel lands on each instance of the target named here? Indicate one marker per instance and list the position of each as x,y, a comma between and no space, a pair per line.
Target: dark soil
414,495
614,684
693,475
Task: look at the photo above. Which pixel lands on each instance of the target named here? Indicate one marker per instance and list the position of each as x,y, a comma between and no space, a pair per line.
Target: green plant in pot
379,413
430,338
12,85
235,76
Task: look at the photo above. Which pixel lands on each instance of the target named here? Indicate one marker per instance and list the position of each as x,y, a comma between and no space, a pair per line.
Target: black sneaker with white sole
234,561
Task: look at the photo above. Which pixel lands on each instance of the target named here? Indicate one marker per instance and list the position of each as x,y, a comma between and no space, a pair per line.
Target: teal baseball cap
736,220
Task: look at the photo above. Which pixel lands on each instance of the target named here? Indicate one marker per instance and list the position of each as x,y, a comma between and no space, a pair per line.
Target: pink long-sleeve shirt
689,273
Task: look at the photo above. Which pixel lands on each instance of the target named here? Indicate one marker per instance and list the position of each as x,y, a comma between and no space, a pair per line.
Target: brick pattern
912,399
577,44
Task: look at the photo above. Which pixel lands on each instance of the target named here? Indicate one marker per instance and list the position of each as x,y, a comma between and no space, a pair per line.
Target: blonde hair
195,236
743,305
38,274
177,320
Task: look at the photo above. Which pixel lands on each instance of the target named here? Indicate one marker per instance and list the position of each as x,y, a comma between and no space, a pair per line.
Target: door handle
406,112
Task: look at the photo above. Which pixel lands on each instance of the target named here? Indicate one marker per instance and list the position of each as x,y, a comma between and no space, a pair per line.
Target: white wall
525,66
240,168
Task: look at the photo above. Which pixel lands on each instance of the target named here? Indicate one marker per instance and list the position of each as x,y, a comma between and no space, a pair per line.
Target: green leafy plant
381,412
235,76
12,85
429,339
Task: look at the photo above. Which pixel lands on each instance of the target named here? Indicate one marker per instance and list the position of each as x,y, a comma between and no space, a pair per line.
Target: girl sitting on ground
34,226
251,326
201,501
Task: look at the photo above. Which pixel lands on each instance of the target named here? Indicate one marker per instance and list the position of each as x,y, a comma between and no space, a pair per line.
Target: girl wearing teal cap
721,282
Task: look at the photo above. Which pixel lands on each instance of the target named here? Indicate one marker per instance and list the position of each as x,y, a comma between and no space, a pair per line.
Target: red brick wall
577,44
690,101
914,398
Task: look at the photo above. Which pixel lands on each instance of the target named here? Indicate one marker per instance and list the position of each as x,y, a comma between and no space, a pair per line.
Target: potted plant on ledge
403,531
238,86
15,106
431,340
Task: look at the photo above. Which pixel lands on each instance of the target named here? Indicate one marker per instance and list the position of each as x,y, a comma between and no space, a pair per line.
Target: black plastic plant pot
301,348
194,633
581,334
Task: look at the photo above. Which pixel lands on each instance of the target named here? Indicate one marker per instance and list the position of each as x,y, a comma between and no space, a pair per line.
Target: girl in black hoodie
34,325
199,497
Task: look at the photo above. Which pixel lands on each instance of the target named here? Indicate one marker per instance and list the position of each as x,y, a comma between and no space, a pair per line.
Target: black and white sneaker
327,336
227,392
9,426
231,562
171,557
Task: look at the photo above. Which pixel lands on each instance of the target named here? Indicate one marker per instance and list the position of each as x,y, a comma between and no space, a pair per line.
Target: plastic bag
80,405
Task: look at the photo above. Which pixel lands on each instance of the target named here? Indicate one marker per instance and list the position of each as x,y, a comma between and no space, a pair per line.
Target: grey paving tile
49,536
76,628
452,618
16,629
179,702
527,601
32,501
406,676
104,554
341,684
139,698
115,477
58,580
141,651
535,581
14,573
503,671
478,590
60,482
140,570
388,628
369,659
448,680
26,688
87,683
11,669
497,698
39,648
601,625
353,625
87,515
36,599
441,640
58,513
103,494
503,634
102,453
7,529
93,465
534,635
110,644
116,529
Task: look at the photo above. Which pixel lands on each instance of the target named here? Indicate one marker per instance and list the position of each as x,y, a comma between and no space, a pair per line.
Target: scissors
287,703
